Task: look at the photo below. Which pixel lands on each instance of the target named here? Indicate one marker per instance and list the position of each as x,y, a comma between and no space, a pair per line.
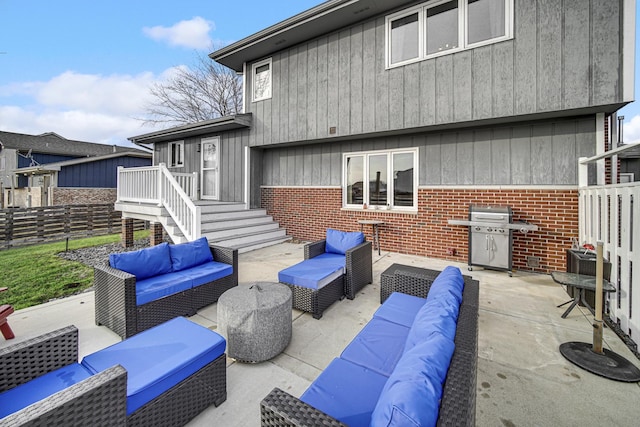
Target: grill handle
489,217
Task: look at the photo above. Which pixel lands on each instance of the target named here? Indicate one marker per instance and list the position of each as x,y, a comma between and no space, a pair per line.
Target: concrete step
246,240
213,207
232,232
211,226
230,215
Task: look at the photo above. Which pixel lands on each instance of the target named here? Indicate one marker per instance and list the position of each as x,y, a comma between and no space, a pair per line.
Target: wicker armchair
115,296
100,400
358,273
458,402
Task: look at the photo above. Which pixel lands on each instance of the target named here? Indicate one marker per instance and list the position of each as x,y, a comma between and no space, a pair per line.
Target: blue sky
83,68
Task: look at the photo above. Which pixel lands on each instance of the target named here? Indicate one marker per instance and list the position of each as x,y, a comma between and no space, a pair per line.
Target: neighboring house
47,169
437,104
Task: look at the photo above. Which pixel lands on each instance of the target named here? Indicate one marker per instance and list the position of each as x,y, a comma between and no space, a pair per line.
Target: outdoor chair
163,376
340,265
5,311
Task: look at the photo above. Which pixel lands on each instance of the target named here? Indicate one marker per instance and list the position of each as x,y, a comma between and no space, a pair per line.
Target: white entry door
210,176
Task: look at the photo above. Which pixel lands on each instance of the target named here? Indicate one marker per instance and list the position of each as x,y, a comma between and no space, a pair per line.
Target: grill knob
501,230
489,229
477,228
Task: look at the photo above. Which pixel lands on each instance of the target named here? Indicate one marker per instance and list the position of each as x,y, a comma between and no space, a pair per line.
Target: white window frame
267,94
176,163
390,185
463,19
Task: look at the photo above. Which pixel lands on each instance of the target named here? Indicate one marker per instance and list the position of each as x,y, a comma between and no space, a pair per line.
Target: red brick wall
307,212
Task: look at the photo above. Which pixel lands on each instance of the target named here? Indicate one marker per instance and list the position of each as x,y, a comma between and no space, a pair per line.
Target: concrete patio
523,380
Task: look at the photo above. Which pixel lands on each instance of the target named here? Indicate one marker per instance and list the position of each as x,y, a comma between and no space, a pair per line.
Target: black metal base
608,364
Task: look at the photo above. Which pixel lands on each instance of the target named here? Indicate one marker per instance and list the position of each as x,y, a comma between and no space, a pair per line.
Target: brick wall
82,196
307,212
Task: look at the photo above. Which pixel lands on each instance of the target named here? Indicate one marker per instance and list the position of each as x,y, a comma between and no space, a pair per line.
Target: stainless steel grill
490,237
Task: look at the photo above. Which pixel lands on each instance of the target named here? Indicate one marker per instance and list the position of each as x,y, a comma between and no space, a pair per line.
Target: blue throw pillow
143,263
339,242
191,254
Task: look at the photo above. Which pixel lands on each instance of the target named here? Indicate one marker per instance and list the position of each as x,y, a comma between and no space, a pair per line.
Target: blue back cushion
411,396
434,316
187,255
159,358
448,284
339,242
41,387
147,262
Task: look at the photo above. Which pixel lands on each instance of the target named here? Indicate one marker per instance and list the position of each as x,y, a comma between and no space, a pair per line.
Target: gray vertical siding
231,161
535,153
565,54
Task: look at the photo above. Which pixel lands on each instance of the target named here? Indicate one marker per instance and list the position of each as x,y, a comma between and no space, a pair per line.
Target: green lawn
35,274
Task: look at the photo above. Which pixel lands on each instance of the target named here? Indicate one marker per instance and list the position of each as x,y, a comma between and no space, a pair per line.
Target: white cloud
193,34
86,107
631,130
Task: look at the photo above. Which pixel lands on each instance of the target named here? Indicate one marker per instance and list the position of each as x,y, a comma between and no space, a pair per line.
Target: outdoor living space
522,378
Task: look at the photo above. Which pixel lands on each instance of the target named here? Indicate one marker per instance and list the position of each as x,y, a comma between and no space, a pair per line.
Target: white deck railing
156,185
611,214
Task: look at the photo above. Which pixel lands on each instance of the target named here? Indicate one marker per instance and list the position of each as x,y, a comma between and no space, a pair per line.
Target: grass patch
35,274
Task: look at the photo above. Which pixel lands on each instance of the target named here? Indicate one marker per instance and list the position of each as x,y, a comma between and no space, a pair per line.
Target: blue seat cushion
143,263
400,308
378,346
187,255
41,387
339,242
411,396
346,391
208,272
154,288
159,358
314,272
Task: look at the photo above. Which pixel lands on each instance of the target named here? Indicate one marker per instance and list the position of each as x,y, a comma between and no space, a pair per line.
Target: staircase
231,225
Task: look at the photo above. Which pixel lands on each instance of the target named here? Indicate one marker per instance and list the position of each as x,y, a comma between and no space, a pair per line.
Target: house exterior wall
531,153
231,161
427,233
100,174
82,196
563,56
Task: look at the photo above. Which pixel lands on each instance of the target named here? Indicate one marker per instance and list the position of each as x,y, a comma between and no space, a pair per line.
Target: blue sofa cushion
434,316
339,242
346,391
187,255
208,272
411,396
143,263
378,346
400,308
41,387
159,358
154,288
314,272
449,284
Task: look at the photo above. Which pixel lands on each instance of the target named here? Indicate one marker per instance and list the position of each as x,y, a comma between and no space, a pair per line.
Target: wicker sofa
403,368
339,265
140,289
164,376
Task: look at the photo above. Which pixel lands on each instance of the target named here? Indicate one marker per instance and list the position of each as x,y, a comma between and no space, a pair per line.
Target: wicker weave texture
316,301
407,280
184,401
359,269
115,296
279,408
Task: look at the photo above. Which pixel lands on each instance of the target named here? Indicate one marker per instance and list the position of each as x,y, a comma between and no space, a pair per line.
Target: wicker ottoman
256,320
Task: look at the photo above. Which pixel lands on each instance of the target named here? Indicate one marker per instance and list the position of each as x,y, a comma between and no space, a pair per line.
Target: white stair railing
156,184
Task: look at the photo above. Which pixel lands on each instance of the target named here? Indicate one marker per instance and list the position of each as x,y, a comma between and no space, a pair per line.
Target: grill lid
501,214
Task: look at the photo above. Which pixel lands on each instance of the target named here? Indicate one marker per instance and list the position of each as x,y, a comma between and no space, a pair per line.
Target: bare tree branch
205,91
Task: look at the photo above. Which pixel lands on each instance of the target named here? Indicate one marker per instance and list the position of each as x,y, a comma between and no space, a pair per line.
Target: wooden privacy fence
20,227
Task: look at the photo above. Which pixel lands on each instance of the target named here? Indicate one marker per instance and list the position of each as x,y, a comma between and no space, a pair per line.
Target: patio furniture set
168,369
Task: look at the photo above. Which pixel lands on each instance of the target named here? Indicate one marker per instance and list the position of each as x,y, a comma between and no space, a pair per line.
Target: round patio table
256,320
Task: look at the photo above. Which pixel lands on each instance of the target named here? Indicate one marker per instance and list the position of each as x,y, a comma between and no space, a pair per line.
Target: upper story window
384,179
261,74
440,27
176,154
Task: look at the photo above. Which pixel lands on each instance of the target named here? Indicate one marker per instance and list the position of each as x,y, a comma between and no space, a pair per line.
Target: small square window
262,80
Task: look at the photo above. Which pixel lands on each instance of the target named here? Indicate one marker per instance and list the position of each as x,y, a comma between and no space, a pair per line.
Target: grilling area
522,379
491,231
